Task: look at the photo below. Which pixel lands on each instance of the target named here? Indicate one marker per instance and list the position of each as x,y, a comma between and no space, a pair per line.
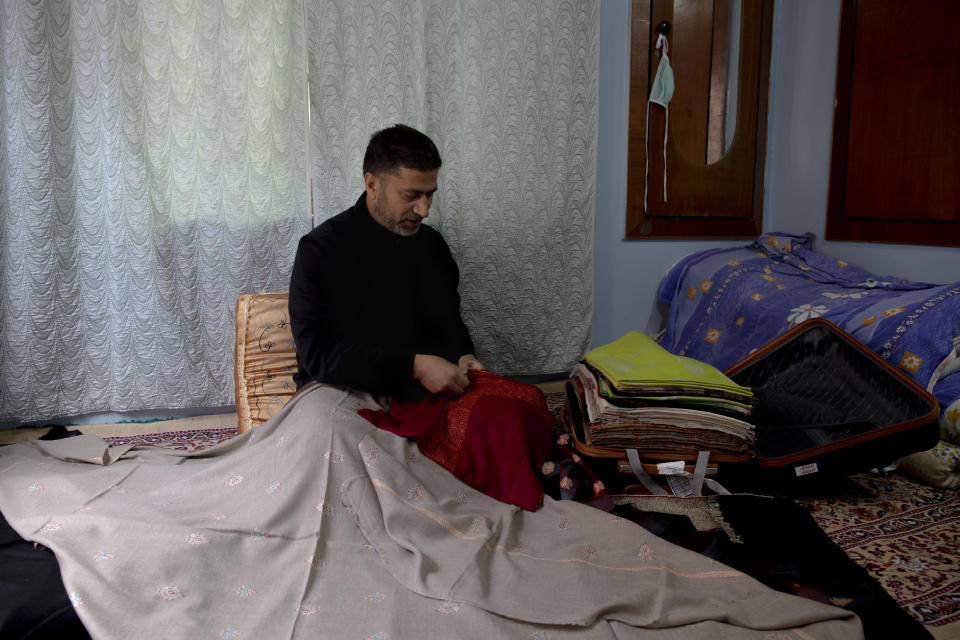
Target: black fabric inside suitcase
827,404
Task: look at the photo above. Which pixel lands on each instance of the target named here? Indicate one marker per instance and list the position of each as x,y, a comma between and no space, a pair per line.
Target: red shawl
494,437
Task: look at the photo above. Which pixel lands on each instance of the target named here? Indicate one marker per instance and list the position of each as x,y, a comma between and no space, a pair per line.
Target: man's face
399,201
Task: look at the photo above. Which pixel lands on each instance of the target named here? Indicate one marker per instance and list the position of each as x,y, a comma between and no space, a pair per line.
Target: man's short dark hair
400,146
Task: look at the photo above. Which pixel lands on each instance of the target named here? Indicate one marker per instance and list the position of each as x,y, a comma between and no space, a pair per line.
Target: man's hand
439,375
469,362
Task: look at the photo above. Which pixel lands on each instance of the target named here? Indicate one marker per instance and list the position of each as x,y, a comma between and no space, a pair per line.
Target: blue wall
800,120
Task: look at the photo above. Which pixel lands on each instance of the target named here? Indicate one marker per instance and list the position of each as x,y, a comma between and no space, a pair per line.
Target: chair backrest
265,357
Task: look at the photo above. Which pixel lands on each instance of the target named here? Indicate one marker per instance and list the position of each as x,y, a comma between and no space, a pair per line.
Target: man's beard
397,228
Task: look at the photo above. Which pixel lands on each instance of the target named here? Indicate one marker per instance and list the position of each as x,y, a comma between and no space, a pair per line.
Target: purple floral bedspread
725,303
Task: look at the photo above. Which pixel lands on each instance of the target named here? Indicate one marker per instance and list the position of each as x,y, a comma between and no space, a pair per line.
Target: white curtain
508,90
153,165
155,162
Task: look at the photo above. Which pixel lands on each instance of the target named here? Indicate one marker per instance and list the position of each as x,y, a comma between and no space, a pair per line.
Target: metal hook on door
663,29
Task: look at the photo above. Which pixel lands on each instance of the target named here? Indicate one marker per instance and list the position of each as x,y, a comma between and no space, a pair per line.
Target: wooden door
714,188
895,166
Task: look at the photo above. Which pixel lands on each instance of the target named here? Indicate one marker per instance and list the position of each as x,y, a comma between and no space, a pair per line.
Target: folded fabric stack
637,395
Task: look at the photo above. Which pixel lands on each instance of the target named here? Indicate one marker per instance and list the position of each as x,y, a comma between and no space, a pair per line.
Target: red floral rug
191,440
907,536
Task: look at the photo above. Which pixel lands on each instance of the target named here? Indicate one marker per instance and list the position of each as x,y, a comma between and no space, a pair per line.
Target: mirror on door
704,52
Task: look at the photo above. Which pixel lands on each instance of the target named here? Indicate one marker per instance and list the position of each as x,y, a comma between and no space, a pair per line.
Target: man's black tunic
364,301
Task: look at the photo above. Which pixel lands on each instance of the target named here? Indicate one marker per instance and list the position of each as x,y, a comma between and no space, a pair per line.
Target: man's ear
372,183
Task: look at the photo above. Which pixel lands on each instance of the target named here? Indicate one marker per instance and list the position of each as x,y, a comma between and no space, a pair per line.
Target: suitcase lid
820,391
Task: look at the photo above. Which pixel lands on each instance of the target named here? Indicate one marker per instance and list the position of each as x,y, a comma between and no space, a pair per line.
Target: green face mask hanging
662,90
660,93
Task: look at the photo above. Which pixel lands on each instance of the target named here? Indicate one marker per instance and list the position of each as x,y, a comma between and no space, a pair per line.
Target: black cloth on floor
59,432
34,604
781,545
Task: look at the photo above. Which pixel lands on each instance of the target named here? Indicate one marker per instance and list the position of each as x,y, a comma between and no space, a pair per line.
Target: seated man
373,294
374,307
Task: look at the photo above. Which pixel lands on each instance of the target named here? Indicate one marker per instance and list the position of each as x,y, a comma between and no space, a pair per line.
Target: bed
726,303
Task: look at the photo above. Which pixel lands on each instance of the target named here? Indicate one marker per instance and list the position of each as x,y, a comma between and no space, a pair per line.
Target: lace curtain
156,161
153,165
508,91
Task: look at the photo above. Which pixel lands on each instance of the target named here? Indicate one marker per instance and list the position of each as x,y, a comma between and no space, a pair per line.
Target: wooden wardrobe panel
895,166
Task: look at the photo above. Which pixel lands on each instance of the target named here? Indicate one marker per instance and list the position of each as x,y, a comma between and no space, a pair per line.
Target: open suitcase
826,406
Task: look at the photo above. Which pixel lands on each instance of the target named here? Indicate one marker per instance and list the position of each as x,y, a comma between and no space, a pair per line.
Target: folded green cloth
635,361
677,396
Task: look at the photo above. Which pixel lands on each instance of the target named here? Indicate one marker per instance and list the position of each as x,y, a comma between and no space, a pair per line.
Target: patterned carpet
907,535
192,440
